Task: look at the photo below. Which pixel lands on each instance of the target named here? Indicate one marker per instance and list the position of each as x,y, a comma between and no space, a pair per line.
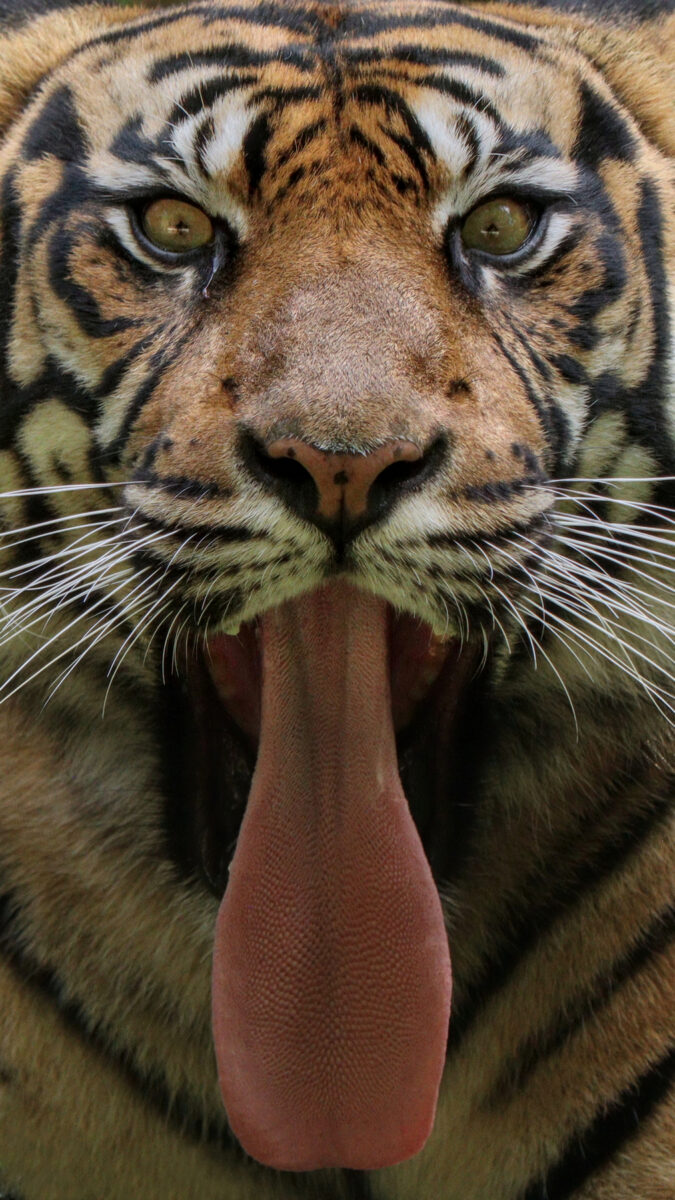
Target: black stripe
359,138
461,92
73,193
494,491
375,94
231,54
541,367
412,153
56,130
654,940
10,235
570,369
295,20
82,304
609,10
607,1135
528,927
535,526
205,95
181,486
223,533
603,132
18,12
361,23
160,361
548,269
425,56
552,419
589,304
204,136
131,146
281,96
180,1112
466,126
645,405
254,147
650,398
307,21
301,139
294,178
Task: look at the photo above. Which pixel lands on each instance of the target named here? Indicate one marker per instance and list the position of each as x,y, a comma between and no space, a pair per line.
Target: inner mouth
214,729
416,658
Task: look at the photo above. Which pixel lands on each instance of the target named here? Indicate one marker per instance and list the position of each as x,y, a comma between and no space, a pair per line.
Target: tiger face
336,440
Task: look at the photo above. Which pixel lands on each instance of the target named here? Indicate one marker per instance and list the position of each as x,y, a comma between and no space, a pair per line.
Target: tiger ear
36,35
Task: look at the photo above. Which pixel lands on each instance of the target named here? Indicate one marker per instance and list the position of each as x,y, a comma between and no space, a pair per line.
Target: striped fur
338,147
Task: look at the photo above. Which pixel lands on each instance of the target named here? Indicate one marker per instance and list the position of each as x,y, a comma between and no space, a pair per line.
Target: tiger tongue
331,973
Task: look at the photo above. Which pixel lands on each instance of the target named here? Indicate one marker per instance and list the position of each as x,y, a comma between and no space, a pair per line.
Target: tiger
336,600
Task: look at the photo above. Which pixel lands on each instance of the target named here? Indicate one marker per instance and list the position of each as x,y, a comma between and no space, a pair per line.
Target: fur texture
338,149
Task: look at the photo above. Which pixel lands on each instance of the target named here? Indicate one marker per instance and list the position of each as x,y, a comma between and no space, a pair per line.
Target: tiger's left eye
176,226
499,226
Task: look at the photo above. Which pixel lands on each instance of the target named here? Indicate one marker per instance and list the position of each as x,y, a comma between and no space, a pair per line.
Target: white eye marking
114,174
450,145
231,119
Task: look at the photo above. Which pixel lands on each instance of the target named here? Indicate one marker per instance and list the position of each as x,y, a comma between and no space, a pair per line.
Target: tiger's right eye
176,226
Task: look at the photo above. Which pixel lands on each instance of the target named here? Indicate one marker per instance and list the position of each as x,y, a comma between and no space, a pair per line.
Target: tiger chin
336,601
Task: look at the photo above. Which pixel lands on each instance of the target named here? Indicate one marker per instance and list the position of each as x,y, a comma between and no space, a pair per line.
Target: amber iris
499,226
176,226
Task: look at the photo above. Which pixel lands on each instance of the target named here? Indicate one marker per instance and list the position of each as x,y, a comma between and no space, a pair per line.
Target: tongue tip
361,1154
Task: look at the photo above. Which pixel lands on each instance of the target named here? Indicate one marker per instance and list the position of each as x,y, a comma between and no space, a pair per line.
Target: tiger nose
339,492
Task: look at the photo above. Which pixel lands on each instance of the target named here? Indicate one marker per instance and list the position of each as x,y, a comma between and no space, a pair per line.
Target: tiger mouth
215,704
416,658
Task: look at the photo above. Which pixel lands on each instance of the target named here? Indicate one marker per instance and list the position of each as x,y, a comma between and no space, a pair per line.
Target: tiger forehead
303,96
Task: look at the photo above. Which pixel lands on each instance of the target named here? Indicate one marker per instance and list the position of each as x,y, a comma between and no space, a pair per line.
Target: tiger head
334,356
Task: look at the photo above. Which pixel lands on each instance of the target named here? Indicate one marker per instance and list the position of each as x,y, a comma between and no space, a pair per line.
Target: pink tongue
331,973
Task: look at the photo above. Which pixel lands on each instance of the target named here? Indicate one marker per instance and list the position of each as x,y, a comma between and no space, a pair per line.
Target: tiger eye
499,226
176,225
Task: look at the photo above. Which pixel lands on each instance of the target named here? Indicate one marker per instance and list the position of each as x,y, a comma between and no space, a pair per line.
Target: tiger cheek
489,413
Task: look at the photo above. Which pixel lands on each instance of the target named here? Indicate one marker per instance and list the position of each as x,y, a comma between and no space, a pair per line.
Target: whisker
69,552
575,593
596,648
80,516
622,597
59,488
103,629
143,625
607,531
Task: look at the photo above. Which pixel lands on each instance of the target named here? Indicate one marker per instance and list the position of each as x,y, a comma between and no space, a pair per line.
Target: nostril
398,474
287,468
279,473
405,475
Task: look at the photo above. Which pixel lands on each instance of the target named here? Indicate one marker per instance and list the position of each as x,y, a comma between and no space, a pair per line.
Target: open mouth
311,730
415,656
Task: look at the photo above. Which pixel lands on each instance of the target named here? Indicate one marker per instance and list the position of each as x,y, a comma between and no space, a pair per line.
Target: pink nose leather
343,481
